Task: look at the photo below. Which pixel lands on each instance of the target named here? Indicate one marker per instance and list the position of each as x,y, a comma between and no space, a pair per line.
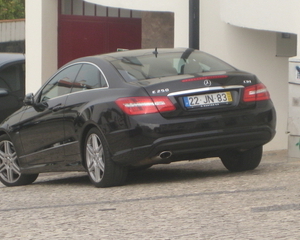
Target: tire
10,174
236,161
102,171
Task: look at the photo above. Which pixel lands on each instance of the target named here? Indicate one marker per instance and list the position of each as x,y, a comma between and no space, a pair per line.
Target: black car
109,113
12,83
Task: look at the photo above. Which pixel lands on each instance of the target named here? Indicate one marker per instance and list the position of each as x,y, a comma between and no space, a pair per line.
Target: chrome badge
207,83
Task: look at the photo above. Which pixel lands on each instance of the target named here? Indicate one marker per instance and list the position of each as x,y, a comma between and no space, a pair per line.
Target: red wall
80,36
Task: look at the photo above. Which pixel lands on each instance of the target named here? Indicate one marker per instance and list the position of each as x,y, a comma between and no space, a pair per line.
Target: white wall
250,50
272,15
41,42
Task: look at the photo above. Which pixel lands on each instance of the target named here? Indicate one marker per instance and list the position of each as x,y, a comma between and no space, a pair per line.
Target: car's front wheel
236,161
10,174
102,171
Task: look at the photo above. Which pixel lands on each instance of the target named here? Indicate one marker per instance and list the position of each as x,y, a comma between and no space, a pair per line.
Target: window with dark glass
82,8
61,83
12,77
150,66
89,77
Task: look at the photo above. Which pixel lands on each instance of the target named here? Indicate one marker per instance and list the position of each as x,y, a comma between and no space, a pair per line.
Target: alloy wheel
9,169
95,158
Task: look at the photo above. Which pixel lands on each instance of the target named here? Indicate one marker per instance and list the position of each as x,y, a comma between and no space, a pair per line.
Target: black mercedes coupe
110,113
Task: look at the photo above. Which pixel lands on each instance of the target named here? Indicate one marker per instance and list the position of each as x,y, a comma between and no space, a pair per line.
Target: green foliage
12,9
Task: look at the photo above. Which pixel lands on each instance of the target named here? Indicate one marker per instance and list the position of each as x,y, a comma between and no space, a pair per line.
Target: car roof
107,57
10,57
141,52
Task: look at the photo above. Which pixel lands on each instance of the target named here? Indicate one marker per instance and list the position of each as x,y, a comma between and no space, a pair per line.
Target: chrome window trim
63,68
94,89
71,93
90,63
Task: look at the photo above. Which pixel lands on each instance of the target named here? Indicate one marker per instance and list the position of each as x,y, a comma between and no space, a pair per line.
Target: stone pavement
185,200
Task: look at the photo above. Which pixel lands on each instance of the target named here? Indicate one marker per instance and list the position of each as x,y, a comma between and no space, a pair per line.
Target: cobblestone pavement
185,200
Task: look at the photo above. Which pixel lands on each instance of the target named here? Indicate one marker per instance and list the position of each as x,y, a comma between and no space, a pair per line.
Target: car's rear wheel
236,161
102,171
10,174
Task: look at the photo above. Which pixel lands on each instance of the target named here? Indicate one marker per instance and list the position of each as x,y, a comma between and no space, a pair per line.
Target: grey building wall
157,29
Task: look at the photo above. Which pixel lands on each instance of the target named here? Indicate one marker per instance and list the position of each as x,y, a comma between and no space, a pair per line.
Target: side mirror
3,92
29,99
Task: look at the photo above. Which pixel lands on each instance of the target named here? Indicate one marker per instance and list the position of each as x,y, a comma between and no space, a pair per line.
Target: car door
80,106
12,88
42,125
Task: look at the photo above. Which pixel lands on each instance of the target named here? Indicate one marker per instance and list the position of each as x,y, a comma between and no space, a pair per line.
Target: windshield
136,68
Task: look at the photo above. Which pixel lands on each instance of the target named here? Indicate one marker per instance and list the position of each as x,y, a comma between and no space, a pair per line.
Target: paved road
186,200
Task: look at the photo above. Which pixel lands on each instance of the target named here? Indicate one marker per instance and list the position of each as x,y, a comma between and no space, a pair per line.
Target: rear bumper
188,138
213,142
196,145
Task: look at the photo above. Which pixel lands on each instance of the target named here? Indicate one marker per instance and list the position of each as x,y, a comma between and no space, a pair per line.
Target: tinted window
135,68
12,77
89,77
61,83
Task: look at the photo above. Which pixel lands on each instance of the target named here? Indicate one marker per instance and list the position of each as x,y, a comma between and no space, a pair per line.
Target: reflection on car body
109,113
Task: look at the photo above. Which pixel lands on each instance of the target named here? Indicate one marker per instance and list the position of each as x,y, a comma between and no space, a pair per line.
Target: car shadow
157,174
78,179
169,173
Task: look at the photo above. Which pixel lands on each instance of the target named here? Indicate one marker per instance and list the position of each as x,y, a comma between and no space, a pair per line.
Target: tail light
257,92
145,105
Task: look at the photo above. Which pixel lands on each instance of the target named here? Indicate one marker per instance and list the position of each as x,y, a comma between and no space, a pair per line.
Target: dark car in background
12,83
109,113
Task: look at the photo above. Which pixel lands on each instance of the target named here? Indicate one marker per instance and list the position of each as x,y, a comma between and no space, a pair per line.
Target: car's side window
61,83
89,77
12,78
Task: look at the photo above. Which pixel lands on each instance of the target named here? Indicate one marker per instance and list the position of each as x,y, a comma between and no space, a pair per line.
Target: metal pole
194,24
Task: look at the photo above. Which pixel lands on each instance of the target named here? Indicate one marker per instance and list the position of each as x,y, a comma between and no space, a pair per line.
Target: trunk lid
196,94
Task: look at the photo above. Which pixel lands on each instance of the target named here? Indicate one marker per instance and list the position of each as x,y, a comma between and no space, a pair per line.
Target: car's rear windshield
136,68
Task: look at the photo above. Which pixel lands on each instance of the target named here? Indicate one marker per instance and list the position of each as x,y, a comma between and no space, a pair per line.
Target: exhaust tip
165,154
